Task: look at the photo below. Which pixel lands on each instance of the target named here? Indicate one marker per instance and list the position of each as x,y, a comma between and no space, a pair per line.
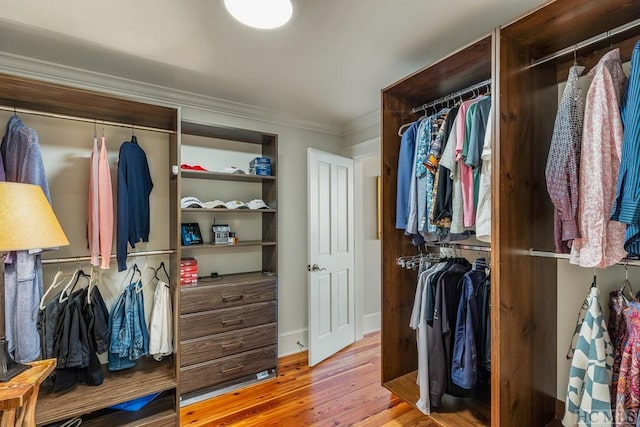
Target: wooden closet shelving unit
148,376
524,287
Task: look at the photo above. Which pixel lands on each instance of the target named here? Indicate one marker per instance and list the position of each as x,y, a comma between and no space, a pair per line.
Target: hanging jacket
23,163
464,369
405,167
134,188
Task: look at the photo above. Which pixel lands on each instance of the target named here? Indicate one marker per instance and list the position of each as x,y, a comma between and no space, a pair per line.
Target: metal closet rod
595,39
88,258
451,96
545,254
84,119
461,247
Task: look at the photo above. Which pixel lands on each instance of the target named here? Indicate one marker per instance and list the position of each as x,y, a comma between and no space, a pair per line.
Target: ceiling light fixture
262,14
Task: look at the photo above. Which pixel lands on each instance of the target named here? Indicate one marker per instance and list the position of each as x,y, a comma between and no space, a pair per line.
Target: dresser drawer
218,371
210,295
212,322
211,347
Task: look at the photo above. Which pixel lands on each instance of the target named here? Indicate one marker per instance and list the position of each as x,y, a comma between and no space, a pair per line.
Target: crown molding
150,93
365,121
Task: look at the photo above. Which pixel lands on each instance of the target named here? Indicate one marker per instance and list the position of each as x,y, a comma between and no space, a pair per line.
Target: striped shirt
626,206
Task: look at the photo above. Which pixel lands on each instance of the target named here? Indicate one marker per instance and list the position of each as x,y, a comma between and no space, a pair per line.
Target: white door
331,255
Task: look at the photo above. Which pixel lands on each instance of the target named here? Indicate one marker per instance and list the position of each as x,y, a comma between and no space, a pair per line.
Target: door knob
314,267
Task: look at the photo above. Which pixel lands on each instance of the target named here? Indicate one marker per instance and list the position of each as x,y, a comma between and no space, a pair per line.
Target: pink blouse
602,240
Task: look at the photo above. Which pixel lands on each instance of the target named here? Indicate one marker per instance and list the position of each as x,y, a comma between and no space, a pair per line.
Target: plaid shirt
563,162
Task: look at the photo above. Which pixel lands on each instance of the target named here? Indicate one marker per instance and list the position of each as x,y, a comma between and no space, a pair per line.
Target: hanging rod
545,254
595,39
84,119
461,246
88,258
451,96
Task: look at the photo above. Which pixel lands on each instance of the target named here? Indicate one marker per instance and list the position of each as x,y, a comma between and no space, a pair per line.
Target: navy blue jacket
134,188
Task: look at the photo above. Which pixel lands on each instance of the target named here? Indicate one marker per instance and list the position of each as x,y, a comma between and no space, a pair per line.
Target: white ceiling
328,65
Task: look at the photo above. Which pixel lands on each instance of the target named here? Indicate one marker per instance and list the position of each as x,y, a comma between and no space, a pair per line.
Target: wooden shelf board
221,176
228,133
159,412
241,243
456,412
147,377
217,210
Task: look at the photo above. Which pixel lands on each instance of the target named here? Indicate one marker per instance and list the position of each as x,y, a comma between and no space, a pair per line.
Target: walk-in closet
521,61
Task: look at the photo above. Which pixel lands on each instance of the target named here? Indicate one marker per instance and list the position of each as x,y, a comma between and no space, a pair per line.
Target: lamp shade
27,220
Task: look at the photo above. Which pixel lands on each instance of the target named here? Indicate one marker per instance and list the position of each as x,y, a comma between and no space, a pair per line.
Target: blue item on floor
135,404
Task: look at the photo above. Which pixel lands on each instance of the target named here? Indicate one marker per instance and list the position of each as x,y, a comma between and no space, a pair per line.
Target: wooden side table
19,395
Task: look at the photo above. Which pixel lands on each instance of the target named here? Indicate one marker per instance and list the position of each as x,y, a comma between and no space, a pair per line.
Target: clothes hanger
626,284
68,289
404,127
166,273
594,284
58,279
132,270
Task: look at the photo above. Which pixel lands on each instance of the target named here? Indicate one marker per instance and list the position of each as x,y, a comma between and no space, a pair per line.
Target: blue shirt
626,207
405,167
134,188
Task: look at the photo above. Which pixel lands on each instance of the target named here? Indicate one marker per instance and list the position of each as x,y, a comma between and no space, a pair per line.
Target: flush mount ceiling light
263,14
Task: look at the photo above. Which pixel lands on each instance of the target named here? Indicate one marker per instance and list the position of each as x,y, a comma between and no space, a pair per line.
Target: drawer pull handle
231,321
232,298
231,369
232,344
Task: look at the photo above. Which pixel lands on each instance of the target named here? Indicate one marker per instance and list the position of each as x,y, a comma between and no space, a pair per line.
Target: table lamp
26,222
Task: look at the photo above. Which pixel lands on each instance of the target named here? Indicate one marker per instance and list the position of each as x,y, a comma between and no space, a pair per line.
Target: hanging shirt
483,213
161,324
23,276
412,209
444,184
588,396
563,162
473,156
93,206
418,322
626,207
466,174
602,241
405,167
105,206
134,188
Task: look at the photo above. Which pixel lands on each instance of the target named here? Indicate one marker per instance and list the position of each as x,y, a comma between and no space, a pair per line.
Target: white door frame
358,152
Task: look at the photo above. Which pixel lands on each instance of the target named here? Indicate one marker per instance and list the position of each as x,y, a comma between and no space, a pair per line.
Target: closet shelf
240,243
221,176
159,412
233,211
458,412
147,377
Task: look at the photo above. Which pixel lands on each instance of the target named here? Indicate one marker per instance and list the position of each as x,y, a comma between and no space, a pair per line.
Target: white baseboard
288,342
371,322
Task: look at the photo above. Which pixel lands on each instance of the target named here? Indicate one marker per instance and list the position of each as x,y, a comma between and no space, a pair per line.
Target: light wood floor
344,390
